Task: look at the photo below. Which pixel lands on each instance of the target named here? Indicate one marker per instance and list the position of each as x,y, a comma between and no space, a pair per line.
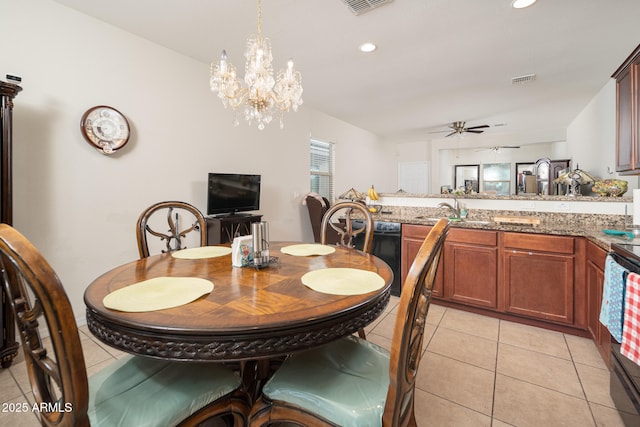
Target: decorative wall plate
105,128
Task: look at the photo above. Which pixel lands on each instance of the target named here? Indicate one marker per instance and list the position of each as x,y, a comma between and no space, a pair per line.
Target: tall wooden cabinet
8,91
628,115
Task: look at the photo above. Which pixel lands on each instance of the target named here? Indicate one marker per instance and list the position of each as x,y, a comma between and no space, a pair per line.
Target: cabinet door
471,273
595,280
412,238
625,151
539,285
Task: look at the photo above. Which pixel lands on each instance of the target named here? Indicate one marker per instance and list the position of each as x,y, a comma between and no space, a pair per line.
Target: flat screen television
229,193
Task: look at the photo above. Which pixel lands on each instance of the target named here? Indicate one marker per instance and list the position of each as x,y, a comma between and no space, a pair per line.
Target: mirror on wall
467,177
525,178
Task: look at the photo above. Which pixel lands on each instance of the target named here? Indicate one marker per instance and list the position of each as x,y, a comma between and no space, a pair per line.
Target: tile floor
477,371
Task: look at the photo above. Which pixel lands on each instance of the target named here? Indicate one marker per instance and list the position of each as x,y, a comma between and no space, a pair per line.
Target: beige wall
78,206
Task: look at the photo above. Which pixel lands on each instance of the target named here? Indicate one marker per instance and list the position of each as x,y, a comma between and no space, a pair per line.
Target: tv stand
222,229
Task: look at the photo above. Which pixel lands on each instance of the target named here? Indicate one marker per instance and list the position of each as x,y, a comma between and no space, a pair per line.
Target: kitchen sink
468,221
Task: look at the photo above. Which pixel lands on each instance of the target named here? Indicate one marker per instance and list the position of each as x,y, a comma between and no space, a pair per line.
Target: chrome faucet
455,209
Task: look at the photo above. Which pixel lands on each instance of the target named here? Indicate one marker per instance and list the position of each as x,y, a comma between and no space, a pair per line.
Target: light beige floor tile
456,381
8,388
93,352
383,342
584,350
19,372
532,338
434,411
607,417
523,404
385,326
538,368
498,423
18,414
471,323
466,348
595,382
435,313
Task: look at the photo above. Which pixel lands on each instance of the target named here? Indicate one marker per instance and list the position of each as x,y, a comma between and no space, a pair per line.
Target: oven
387,243
625,374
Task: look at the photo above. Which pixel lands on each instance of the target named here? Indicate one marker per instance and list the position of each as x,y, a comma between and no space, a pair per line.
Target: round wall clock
105,128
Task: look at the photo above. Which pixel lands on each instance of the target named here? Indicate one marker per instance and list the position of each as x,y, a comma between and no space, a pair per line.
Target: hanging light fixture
263,95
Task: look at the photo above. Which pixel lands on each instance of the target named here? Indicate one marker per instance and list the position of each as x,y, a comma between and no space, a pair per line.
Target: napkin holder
260,241
242,251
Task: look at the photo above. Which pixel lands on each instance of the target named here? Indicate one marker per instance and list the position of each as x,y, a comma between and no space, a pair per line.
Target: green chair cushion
345,382
139,391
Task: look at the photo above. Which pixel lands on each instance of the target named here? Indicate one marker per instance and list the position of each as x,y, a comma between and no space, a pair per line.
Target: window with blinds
322,154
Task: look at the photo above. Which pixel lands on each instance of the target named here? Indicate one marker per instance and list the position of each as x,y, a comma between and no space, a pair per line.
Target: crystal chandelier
263,95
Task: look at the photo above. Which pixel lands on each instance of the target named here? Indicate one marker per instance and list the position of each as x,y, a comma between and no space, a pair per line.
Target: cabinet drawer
539,242
476,237
415,231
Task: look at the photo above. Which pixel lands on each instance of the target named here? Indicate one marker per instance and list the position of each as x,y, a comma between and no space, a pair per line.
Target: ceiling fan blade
477,127
452,133
473,131
440,131
509,146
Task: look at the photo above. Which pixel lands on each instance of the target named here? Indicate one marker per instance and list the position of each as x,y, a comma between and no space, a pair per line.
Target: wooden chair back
408,334
317,206
177,214
58,378
344,226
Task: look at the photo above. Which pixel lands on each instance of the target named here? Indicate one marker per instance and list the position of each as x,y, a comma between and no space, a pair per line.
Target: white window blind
322,161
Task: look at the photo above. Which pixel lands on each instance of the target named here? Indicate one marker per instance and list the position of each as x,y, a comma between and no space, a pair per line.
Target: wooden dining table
250,314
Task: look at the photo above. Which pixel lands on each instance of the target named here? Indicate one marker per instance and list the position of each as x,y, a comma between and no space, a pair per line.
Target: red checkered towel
631,325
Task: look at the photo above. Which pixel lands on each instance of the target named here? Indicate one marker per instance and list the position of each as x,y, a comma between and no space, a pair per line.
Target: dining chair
352,382
317,206
339,230
132,391
151,220
338,218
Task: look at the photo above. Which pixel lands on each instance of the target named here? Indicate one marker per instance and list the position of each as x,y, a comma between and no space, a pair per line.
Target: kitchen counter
581,225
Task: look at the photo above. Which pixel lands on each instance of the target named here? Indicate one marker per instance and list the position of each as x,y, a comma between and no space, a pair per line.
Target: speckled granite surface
569,224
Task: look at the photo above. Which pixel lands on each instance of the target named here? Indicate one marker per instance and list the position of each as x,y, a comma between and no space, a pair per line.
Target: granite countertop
585,225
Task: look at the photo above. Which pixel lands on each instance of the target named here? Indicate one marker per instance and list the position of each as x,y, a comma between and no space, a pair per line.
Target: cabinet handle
530,253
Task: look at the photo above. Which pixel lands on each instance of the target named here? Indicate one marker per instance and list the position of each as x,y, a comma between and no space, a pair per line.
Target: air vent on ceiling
523,79
358,7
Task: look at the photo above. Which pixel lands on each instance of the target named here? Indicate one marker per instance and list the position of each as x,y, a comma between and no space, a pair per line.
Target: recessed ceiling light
521,4
368,47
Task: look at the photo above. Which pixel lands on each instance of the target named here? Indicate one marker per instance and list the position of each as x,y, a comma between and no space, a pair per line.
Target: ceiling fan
459,128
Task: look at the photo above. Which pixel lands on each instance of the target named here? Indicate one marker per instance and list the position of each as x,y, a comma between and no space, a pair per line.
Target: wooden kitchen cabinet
540,273
412,238
471,267
596,257
468,270
627,78
538,277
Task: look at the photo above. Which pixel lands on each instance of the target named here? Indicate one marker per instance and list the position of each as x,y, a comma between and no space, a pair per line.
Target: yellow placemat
343,281
308,249
202,252
158,293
